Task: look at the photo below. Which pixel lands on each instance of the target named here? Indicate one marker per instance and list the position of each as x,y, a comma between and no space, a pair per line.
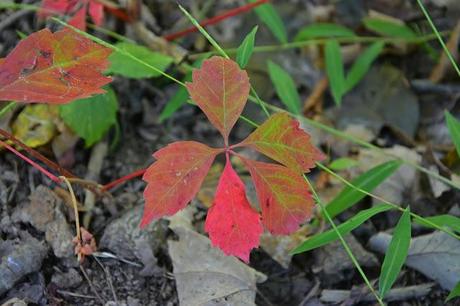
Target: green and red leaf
231,223
220,88
281,139
54,68
175,178
283,196
77,9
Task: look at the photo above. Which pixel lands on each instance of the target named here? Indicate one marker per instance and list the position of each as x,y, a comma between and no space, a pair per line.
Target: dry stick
36,154
216,19
75,211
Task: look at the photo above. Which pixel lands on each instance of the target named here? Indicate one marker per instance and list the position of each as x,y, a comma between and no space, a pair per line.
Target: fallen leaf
231,223
206,276
53,68
435,255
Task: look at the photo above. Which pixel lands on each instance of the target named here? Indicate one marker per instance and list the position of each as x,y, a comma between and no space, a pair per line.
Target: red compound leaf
283,196
76,8
232,224
220,88
54,68
175,178
281,139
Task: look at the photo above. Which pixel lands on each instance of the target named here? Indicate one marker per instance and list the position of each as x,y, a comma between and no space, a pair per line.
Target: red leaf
283,196
77,8
281,139
79,19
54,68
96,11
220,88
232,224
175,178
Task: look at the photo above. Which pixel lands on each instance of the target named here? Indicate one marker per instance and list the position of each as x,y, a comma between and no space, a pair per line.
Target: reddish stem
216,19
31,162
36,155
123,179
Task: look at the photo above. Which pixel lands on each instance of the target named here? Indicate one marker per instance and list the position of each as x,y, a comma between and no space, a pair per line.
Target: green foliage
454,293
396,253
244,52
343,163
319,30
334,70
344,228
267,13
453,124
92,117
285,87
367,181
362,64
173,104
127,67
441,221
389,28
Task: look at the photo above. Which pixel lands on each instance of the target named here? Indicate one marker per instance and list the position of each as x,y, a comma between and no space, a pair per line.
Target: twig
123,179
75,210
91,285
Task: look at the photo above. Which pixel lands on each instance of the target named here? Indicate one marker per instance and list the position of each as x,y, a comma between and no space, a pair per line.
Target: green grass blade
244,52
454,293
396,253
334,70
177,100
389,28
344,228
343,163
267,13
324,30
367,181
362,64
441,221
453,124
285,87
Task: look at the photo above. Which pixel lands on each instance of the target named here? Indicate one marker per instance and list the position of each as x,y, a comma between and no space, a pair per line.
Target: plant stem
123,179
7,108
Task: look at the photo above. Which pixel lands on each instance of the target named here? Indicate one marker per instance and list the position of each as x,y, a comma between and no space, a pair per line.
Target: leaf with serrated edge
281,139
54,68
283,196
220,88
175,178
231,223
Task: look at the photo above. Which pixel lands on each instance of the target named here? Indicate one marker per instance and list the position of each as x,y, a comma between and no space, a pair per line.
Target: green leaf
454,293
244,52
362,65
367,181
267,13
453,124
92,117
389,28
396,253
318,30
343,163
441,221
176,101
334,70
344,228
285,87
127,67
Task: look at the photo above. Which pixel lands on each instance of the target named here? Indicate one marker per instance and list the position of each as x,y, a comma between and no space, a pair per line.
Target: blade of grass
396,253
267,13
367,181
334,70
438,35
285,87
454,130
244,52
346,227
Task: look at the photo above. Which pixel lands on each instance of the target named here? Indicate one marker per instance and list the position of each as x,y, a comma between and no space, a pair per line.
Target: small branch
123,179
36,154
31,162
216,19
